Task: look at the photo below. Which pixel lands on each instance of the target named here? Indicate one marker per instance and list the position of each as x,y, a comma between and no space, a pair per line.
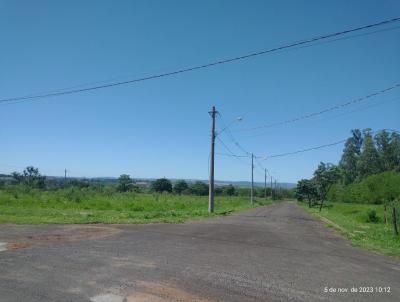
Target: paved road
272,253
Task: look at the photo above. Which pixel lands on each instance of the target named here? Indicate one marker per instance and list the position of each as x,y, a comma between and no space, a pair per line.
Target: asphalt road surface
272,253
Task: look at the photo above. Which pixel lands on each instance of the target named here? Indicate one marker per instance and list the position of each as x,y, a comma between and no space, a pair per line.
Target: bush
229,190
199,188
162,185
371,216
380,188
180,187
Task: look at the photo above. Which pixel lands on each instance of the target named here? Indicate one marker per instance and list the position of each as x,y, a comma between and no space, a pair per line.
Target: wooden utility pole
275,190
265,183
211,180
252,179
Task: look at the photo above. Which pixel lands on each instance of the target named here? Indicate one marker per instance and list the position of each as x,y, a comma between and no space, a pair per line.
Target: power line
239,157
287,153
260,165
334,116
198,67
231,154
225,146
302,150
336,107
319,147
305,150
350,37
228,132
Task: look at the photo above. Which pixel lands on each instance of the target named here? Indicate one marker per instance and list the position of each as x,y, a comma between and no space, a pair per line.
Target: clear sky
162,127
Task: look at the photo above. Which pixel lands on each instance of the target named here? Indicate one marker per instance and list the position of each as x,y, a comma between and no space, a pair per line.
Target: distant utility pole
265,183
65,176
272,197
275,190
211,180
252,179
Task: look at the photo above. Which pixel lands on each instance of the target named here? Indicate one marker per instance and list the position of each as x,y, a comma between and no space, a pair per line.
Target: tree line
31,178
364,155
368,172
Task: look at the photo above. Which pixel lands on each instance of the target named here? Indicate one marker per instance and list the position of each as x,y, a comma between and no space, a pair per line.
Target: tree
30,177
351,153
385,151
368,161
125,183
395,149
324,177
162,185
306,189
79,183
199,188
180,186
229,190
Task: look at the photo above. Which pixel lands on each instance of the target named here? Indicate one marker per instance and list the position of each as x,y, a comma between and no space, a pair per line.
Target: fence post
394,220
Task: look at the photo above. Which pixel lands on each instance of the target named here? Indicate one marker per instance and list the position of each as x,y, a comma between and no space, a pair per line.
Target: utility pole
275,190
252,179
265,183
65,177
272,197
211,180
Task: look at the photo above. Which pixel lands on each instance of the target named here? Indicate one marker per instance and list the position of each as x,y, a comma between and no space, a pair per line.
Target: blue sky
162,127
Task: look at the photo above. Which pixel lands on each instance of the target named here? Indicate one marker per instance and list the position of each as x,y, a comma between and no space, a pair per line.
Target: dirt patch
156,292
75,233
66,233
17,245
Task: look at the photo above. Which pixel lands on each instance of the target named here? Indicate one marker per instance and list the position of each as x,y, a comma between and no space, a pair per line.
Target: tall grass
354,221
74,205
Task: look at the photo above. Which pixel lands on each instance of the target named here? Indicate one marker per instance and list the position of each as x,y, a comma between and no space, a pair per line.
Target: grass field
69,206
351,220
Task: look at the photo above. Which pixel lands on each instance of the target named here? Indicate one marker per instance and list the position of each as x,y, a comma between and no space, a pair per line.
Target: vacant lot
77,206
352,221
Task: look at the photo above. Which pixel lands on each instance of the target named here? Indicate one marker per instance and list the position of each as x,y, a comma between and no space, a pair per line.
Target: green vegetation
29,197
382,188
72,205
125,183
368,172
162,185
362,191
363,224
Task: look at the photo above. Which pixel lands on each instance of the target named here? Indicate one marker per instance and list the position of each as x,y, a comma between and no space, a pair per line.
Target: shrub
180,187
380,188
199,188
371,216
162,185
229,190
